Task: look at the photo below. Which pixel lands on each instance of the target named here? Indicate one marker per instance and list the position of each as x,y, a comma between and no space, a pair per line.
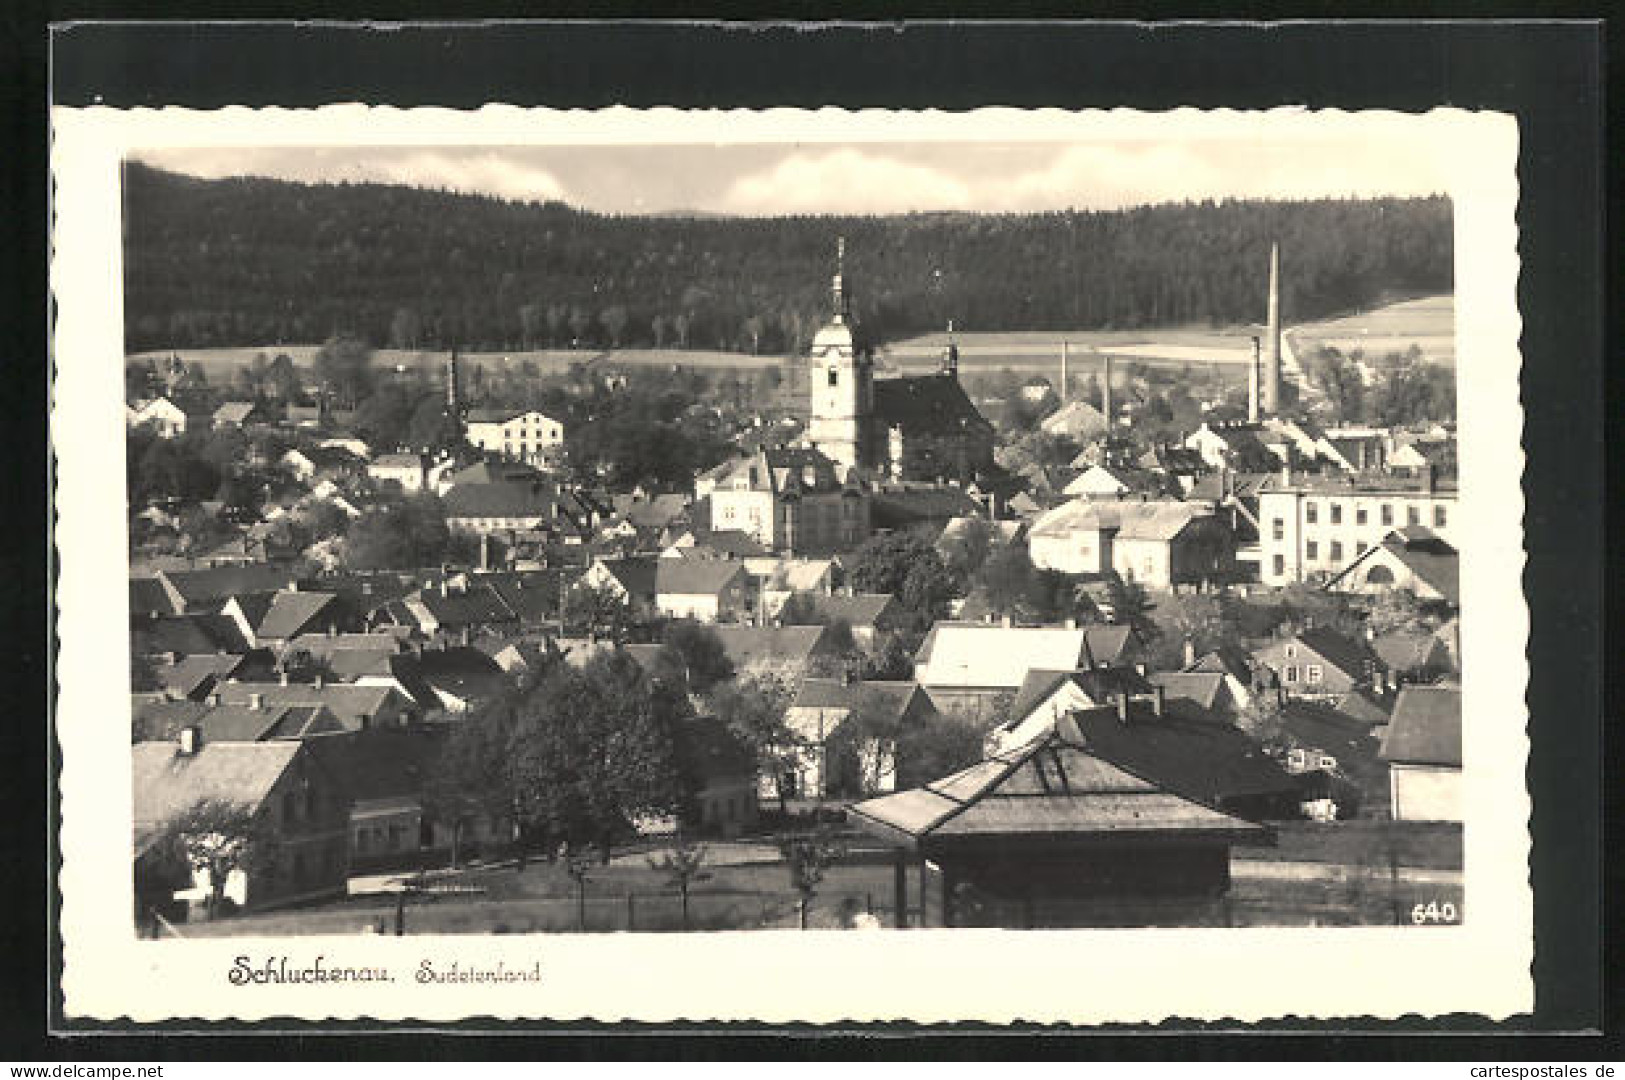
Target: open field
1428,323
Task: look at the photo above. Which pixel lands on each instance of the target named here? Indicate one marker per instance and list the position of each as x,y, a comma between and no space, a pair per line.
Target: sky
856,178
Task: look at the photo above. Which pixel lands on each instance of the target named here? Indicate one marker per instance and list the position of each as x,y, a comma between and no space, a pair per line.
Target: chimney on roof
1429,478
190,740
282,677
256,701
1190,653
318,682
1286,473
1122,707
214,698
1160,700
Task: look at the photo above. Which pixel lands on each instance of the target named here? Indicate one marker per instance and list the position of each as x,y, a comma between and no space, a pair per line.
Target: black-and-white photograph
730,537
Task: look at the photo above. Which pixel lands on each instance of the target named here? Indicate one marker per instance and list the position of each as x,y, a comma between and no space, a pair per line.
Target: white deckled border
776,977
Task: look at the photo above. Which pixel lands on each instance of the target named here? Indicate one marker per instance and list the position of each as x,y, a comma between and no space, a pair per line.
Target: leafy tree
942,745
1339,377
218,837
698,653
907,567
384,418
1397,609
431,428
597,610
801,609
969,547
400,536
683,864
1131,605
405,329
614,319
753,708
1007,579
344,365
892,656
806,858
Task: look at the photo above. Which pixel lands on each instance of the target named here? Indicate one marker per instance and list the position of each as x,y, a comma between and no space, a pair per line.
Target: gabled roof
839,694
636,573
292,613
476,605
1054,786
166,782
1344,653
1425,728
495,472
1098,683
897,505
858,610
695,577
1230,660
1407,650
1075,418
991,655
497,501
234,412
383,763
148,597
751,646
347,701
397,461
927,405
1127,519
191,673
1182,750
656,512
733,543
200,588
1201,687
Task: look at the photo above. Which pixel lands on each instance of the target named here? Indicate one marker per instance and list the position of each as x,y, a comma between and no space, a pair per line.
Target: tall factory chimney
1066,347
1272,342
1252,381
1106,392
451,384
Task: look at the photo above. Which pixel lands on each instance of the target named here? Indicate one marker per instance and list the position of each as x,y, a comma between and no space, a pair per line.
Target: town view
504,566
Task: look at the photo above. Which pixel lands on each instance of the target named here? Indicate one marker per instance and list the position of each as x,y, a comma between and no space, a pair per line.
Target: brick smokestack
1272,341
1252,382
1106,392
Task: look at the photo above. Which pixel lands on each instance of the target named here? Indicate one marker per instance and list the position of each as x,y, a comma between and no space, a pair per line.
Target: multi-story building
788,499
1317,525
516,435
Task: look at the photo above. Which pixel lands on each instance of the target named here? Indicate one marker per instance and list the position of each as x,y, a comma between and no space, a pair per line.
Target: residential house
1336,756
967,667
357,707
1422,746
236,415
1158,544
1314,526
827,763
169,639
161,416
1096,843
207,590
312,463
723,773
789,500
192,677
867,615
1077,420
274,620
460,610
1096,482
1413,558
924,507
1238,447
785,650
706,590
1045,696
484,509
407,470
1318,662
632,579
298,809
517,435
1235,666
1414,655
254,721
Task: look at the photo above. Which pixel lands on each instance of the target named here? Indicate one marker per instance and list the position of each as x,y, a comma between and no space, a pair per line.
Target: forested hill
255,262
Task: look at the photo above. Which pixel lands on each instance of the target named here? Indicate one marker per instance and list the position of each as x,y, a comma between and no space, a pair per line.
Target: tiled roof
292,613
695,577
234,412
187,676
932,405
345,700
381,764
199,588
991,655
1425,728
185,635
166,782
1130,519
1099,683
838,694
1406,650
636,573
1078,419
397,461
730,542
1056,786
750,646
497,501
1201,687
859,610
477,605
1226,659
1183,750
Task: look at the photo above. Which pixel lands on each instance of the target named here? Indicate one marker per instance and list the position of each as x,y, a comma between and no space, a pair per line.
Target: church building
907,427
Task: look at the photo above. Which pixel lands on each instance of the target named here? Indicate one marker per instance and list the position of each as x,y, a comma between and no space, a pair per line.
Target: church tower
841,382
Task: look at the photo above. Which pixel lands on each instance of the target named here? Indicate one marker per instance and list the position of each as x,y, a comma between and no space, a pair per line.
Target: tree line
252,261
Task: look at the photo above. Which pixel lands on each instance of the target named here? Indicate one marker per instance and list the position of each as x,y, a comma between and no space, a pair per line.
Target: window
1295,759
1360,547
1291,674
1328,762
1360,514
1311,512
1291,651
1311,549
1413,515
1280,565
1314,673
1337,513
1278,529
834,377
1337,551
1438,517
1387,514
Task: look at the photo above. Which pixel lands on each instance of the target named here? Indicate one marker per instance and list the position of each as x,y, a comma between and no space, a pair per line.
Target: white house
1423,749
407,470
520,436
707,590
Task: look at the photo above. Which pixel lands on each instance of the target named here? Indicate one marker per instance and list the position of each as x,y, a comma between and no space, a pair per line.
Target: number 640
1433,912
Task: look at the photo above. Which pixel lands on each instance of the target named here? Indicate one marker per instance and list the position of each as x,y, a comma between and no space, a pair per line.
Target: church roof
927,405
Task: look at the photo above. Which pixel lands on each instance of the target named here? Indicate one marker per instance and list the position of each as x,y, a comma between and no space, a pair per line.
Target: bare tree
682,866
806,858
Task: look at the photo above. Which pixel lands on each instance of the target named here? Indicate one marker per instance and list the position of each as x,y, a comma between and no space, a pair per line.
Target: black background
1549,74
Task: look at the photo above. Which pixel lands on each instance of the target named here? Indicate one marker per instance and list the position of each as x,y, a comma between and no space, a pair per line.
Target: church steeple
840,301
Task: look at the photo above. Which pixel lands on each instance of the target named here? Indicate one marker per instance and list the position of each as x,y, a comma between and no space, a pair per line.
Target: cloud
845,181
